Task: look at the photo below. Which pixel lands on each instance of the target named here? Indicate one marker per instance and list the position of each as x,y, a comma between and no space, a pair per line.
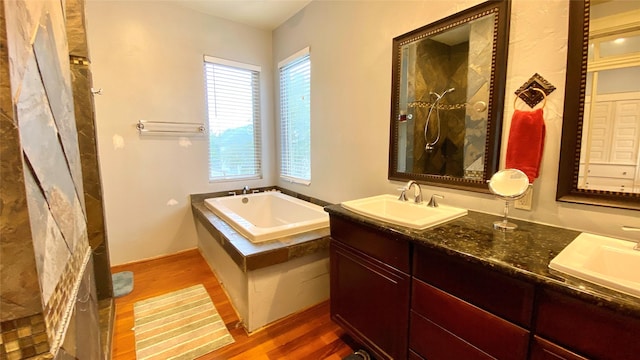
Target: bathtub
268,215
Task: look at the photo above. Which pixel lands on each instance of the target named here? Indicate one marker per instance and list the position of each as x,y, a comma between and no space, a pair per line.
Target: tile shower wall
81,82
43,212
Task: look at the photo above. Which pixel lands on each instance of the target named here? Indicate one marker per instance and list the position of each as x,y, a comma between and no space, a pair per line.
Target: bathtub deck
249,256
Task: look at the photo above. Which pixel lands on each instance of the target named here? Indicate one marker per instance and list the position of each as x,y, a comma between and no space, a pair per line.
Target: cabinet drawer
448,319
587,329
542,349
391,251
610,170
434,343
497,293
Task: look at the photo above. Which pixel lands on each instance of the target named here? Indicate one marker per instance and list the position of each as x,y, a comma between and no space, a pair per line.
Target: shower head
439,96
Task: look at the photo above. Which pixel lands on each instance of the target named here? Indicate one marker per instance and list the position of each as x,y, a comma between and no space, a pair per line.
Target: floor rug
122,283
182,325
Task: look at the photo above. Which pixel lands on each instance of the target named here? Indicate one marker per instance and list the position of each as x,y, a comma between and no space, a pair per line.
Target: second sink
404,213
605,261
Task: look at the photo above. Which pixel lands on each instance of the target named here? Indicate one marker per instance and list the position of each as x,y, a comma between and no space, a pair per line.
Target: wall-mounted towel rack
168,128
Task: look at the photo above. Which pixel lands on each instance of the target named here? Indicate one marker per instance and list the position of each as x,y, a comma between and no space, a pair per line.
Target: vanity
462,290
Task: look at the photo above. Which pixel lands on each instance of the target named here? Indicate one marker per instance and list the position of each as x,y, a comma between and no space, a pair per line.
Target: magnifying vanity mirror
447,99
600,151
508,185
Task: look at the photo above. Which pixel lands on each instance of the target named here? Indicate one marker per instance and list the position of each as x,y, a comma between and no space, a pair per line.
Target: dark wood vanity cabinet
405,300
585,329
370,288
461,311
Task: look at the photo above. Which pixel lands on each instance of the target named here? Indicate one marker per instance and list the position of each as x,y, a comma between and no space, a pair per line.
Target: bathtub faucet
246,189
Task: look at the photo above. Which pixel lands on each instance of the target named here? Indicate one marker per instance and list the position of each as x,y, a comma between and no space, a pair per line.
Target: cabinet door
586,328
370,300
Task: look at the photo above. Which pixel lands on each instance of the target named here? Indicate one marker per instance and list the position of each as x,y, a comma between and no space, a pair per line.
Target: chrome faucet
633,228
417,192
433,202
246,189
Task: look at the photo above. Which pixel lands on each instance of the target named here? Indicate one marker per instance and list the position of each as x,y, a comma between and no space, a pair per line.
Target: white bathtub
268,215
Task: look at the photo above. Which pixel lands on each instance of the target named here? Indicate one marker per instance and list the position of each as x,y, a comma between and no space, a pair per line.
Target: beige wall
147,56
350,46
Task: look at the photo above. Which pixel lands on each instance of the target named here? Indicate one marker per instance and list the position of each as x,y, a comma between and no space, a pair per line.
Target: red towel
526,142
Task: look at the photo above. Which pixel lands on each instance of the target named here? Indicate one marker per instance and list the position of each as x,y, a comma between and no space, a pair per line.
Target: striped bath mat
183,324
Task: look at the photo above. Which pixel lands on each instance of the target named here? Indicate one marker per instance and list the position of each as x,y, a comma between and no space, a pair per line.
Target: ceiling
262,14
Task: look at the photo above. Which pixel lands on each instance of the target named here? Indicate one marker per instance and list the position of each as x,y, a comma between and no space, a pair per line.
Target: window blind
233,106
295,119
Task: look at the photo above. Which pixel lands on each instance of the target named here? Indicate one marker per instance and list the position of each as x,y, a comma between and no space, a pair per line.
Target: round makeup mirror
508,185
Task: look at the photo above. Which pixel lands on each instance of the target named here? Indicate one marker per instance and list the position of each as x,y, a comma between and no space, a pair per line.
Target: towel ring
544,96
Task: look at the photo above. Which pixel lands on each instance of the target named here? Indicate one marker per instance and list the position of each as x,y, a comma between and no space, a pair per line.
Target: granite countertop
523,253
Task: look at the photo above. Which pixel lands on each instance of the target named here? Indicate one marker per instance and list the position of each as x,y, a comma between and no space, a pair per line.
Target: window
233,104
295,118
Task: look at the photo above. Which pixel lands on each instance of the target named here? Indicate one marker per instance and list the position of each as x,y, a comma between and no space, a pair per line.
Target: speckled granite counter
249,256
524,253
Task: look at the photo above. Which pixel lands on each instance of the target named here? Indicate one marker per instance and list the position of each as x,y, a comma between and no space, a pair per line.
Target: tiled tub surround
269,280
463,285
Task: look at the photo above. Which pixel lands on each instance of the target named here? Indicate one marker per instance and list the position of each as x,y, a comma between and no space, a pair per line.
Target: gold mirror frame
573,119
501,9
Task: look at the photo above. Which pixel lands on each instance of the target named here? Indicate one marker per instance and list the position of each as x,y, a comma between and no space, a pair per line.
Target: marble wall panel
50,249
76,28
60,97
22,20
18,279
440,67
82,83
479,78
45,155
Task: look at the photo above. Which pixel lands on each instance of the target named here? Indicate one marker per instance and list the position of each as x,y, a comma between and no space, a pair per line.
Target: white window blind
295,118
233,104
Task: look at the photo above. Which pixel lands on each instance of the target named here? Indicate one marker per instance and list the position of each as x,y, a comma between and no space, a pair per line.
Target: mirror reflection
448,80
610,144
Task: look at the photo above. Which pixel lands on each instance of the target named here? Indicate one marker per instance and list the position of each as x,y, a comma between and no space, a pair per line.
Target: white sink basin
605,261
404,213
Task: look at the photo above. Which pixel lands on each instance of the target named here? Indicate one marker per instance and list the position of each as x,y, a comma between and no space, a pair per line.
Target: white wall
148,59
350,44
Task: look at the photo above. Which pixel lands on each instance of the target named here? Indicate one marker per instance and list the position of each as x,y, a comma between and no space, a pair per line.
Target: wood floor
307,335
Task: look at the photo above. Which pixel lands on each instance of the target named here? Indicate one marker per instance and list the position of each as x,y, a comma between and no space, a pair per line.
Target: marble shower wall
82,83
436,67
439,67
43,210
479,78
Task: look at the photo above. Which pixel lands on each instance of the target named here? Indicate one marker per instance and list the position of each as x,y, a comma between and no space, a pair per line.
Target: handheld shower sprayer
430,145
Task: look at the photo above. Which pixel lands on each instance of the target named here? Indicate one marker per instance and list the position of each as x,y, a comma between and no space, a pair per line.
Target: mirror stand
504,224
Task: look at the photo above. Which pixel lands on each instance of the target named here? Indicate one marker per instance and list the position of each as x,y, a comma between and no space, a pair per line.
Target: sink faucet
246,189
433,202
417,192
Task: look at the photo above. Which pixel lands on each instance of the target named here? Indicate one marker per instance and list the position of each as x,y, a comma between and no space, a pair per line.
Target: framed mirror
600,151
447,99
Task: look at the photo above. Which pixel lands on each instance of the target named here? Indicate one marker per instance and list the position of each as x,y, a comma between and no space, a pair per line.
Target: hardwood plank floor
309,334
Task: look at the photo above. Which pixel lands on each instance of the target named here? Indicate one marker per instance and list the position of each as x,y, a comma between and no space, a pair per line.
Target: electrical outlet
524,203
